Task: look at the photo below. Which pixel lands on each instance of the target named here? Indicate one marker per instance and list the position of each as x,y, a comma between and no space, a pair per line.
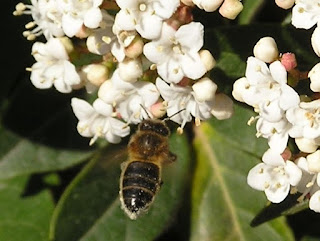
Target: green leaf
23,217
19,156
309,238
250,10
289,206
223,205
90,207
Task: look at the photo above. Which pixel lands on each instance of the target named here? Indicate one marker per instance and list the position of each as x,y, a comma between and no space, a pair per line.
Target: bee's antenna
169,117
145,111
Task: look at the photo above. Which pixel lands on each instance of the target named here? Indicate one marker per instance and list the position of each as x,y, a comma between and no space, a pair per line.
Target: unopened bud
314,162
315,41
222,107
314,76
289,61
208,5
83,32
159,109
239,86
187,2
285,4
286,154
135,49
130,70
230,8
96,73
204,89
207,59
266,50
306,145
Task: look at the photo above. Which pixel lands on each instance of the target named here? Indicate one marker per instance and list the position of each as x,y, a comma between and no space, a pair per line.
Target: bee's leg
171,157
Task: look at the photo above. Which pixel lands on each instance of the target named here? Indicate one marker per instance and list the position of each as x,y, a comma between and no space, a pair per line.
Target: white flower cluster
148,61
282,115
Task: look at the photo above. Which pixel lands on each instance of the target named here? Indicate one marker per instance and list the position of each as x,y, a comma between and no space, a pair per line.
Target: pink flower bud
288,60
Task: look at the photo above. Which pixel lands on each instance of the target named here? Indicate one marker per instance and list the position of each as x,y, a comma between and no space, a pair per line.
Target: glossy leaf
90,208
223,205
19,156
289,206
23,217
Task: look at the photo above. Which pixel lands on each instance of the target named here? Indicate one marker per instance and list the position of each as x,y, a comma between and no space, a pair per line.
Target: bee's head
154,125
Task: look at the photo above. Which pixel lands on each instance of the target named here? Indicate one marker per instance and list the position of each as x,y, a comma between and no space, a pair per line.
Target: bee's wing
113,155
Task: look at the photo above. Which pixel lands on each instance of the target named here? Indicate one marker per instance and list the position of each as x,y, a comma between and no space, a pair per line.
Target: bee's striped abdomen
140,183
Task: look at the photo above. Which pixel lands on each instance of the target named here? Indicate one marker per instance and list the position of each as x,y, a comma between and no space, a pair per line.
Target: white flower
137,106
47,18
145,16
305,120
78,13
102,39
309,184
179,98
53,67
262,85
267,91
98,121
305,14
176,52
277,133
131,100
274,176
125,39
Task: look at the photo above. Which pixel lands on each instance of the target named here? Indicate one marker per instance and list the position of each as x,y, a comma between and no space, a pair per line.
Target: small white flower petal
82,109
278,72
294,173
302,15
92,18
149,26
71,25
314,203
259,177
272,158
193,42
277,194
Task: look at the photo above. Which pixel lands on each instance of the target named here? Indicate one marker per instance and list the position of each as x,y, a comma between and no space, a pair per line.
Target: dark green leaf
289,206
20,156
23,217
223,205
250,10
90,208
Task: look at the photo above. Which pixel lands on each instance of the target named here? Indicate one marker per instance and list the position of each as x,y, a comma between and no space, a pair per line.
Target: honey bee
148,150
